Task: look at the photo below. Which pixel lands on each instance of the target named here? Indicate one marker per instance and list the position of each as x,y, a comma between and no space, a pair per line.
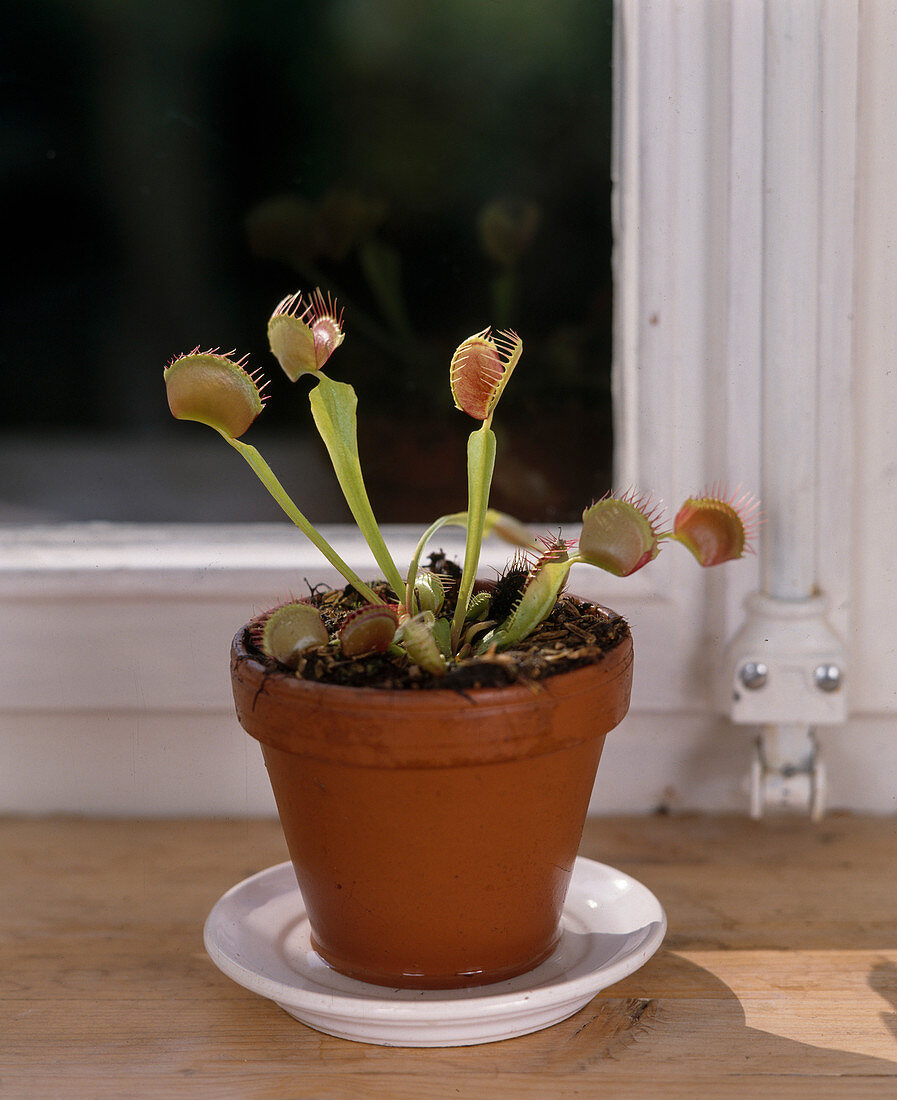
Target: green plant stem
459,519
266,476
480,464
538,599
333,407
456,519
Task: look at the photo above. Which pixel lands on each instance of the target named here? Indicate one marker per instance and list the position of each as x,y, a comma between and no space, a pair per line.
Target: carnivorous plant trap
432,617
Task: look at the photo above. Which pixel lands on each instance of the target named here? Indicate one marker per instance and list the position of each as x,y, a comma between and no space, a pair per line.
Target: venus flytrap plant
620,535
480,369
302,339
716,527
510,529
371,629
421,639
418,621
218,391
286,632
543,587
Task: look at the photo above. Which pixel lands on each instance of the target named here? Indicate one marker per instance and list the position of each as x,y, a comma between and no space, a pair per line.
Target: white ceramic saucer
258,934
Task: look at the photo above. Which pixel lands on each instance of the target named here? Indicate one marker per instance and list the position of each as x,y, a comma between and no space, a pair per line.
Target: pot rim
372,727
345,697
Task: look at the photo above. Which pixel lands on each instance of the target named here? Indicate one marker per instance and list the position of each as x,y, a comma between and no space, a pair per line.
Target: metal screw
754,674
827,677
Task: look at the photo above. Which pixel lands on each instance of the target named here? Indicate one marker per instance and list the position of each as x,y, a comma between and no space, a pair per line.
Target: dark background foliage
171,170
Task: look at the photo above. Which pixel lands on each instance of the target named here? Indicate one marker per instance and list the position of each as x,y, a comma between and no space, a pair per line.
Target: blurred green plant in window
461,153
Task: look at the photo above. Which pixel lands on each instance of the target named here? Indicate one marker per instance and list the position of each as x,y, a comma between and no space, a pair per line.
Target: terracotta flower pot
433,833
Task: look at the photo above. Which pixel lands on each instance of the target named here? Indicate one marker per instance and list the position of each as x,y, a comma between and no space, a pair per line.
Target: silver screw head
827,677
754,675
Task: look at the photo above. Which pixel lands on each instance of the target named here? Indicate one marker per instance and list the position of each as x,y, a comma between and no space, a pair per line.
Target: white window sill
140,617
116,694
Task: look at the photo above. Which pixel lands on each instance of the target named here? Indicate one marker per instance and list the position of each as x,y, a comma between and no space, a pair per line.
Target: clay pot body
433,834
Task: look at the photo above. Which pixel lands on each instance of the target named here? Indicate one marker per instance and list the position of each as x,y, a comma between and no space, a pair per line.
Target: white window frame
114,659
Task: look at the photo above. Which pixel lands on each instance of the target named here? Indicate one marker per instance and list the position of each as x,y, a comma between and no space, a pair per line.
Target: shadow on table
676,1018
883,979
697,1020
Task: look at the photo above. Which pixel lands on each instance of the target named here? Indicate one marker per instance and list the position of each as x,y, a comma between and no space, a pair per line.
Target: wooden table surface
778,977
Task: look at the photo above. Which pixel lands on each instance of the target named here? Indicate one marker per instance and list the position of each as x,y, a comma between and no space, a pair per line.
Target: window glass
171,170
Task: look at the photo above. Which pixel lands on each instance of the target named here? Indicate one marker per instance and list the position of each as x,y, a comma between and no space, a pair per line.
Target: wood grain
778,977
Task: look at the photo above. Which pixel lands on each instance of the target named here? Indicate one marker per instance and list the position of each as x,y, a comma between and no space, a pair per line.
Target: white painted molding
678,427
790,306
838,470
870,526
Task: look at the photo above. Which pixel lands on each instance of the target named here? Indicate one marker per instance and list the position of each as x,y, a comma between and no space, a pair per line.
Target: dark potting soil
575,634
